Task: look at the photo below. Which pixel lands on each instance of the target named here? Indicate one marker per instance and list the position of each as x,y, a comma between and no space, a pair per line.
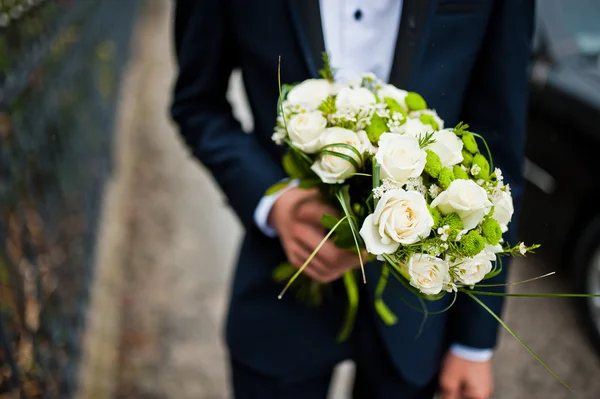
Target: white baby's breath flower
416,184
450,287
522,248
400,218
434,190
498,174
480,182
444,232
475,169
444,245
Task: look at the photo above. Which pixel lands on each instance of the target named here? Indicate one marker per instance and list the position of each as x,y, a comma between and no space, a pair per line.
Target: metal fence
60,66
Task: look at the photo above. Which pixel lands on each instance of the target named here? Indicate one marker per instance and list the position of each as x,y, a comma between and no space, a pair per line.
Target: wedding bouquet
423,199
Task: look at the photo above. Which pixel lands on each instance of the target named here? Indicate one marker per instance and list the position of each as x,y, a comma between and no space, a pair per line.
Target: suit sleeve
206,55
496,106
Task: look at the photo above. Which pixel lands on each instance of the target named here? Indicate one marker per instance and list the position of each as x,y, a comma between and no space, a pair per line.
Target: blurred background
116,247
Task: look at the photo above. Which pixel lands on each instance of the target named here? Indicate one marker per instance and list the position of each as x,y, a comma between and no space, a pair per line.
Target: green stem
352,221
515,336
488,293
352,292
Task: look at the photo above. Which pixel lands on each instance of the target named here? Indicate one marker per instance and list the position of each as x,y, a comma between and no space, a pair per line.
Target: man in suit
468,58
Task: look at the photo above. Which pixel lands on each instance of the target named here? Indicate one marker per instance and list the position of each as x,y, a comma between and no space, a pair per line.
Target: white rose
333,169
309,94
428,273
470,271
415,128
305,129
354,100
467,199
401,217
400,157
394,93
503,208
448,147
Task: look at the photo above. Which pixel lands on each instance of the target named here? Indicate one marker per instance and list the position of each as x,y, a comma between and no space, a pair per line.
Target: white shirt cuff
471,354
261,213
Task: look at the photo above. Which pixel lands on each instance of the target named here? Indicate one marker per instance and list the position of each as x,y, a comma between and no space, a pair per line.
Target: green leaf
515,336
305,184
352,309
346,146
329,221
276,187
388,317
295,166
343,156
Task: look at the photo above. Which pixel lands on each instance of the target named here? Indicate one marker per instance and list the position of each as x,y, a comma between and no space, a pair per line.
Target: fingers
333,257
315,269
311,211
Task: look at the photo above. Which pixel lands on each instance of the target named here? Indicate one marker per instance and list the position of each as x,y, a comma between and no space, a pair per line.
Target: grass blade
515,336
343,197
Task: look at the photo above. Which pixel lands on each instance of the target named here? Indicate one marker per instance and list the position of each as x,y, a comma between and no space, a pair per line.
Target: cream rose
467,199
470,271
305,130
503,208
428,273
309,94
394,93
333,169
415,128
448,147
354,100
400,218
400,157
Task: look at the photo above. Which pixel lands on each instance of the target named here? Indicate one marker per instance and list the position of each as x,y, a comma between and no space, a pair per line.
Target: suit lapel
415,14
306,18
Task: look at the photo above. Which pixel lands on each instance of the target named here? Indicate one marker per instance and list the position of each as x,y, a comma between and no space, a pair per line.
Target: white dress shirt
360,36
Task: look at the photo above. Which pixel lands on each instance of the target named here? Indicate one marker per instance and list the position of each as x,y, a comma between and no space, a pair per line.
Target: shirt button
358,15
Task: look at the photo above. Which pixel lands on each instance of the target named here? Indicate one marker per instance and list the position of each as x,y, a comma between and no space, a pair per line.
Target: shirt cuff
261,213
471,354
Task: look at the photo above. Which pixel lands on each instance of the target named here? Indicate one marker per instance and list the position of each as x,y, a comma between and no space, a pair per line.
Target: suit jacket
467,58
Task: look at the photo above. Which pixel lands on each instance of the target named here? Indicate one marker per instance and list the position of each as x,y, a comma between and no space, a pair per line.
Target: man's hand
463,379
296,215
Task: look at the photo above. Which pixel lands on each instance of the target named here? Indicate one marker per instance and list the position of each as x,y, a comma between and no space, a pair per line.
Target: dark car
561,209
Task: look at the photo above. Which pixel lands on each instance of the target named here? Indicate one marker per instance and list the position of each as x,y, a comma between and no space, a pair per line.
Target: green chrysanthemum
470,143
467,158
484,167
445,177
376,128
415,102
472,243
433,165
491,231
394,106
436,215
453,221
459,173
429,120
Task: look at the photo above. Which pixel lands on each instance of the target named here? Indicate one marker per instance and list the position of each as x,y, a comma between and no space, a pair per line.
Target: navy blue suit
469,61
